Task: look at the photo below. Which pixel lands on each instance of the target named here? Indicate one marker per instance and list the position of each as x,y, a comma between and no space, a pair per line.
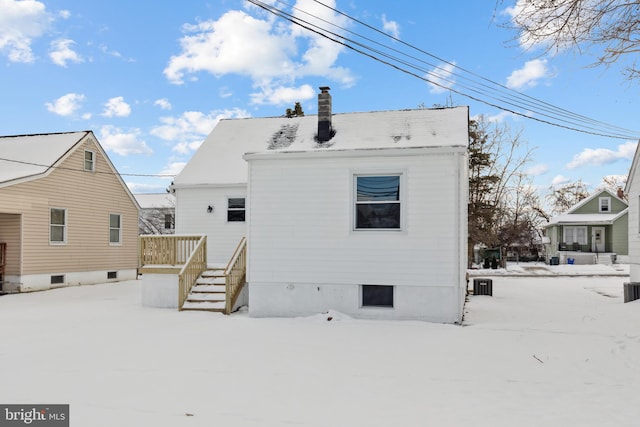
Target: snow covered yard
543,351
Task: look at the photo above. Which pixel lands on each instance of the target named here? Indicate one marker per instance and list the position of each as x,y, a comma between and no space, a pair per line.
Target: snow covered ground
543,351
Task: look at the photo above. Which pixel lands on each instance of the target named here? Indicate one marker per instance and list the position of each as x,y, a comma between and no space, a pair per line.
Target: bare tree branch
608,28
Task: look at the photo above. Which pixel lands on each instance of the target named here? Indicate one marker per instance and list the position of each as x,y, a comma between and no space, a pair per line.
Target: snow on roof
594,218
155,200
219,159
27,155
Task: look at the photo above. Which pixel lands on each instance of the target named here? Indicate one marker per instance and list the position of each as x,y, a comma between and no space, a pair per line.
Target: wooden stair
208,293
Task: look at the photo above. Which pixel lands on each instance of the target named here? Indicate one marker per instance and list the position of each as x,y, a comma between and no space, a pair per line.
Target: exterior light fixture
209,209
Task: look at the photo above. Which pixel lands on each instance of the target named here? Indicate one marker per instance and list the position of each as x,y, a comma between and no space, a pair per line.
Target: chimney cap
325,89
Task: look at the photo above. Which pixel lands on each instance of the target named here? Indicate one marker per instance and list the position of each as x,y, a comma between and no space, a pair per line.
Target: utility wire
477,91
82,170
453,65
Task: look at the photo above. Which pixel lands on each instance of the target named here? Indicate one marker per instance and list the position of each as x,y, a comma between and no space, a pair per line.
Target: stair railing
192,269
235,275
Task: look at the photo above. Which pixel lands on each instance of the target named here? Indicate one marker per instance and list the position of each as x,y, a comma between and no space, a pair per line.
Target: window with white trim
58,226
236,210
89,160
605,204
115,229
377,202
575,235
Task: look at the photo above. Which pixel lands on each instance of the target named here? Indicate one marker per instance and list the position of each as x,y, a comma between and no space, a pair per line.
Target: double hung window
89,161
115,229
236,209
58,226
377,202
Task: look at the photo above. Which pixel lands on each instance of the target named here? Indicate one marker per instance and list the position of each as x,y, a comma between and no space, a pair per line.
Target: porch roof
586,219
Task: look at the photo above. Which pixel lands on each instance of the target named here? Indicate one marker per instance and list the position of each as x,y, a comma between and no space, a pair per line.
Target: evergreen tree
482,210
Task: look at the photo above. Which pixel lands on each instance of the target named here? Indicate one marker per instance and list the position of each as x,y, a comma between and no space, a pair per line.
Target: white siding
634,231
192,218
301,234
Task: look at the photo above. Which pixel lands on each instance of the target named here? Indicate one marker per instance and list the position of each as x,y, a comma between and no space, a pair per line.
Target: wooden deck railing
166,250
194,266
235,275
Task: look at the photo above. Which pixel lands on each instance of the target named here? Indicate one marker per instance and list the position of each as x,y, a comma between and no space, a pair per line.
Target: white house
633,192
157,213
364,213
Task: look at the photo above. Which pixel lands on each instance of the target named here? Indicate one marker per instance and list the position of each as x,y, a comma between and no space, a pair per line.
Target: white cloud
104,49
123,143
64,14
321,54
163,103
537,170
61,52
529,75
188,130
273,55
495,118
559,180
283,95
173,168
225,92
235,43
441,78
601,156
391,27
20,23
138,187
116,107
66,105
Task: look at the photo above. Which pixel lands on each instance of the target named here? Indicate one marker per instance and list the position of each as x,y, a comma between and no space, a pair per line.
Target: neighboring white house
157,213
364,213
633,192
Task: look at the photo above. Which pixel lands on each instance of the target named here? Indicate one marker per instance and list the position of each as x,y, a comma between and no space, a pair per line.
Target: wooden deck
186,257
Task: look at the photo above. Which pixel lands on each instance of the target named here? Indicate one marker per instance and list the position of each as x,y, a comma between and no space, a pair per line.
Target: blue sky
151,79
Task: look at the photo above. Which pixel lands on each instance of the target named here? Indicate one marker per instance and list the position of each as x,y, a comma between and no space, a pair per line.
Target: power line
82,170
485,90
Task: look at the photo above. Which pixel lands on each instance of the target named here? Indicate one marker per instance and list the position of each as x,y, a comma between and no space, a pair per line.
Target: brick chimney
620,193
325,130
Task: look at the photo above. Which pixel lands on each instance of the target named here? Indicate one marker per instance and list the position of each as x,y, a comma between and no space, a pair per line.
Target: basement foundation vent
57,280
112,274
631,291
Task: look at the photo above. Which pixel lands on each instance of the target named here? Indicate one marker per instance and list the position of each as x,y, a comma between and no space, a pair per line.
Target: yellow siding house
66,216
